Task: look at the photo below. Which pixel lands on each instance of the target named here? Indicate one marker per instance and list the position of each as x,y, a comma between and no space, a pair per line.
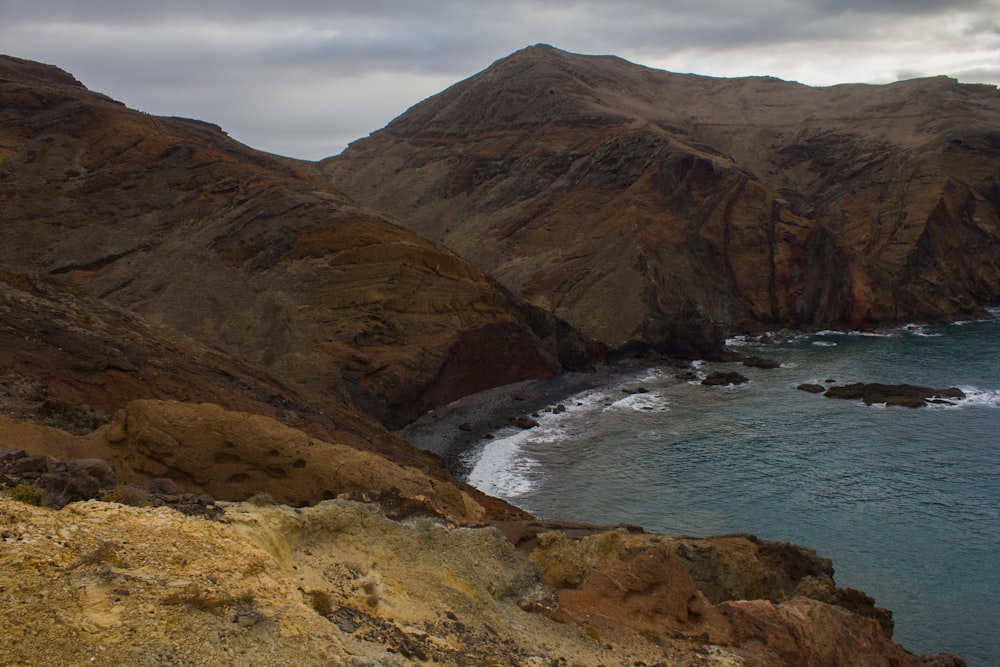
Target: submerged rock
761,362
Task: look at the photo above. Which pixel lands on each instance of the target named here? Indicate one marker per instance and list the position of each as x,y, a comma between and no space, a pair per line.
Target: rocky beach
453,430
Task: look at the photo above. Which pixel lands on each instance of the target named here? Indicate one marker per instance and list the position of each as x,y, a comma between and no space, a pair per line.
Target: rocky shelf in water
905,395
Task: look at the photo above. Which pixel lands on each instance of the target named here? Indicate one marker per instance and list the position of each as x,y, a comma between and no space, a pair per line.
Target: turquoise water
906,502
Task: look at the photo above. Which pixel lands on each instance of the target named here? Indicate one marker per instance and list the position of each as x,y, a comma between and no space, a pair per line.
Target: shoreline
469,424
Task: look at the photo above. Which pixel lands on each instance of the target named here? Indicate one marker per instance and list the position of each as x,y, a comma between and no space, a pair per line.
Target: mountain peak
538,50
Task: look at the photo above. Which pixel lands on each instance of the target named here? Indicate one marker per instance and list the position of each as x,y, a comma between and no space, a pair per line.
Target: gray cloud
304,77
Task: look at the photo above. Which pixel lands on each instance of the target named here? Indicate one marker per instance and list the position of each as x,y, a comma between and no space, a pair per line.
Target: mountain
662,209
251,254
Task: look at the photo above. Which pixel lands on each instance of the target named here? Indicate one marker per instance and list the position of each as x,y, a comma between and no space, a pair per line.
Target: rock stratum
202,346
653,208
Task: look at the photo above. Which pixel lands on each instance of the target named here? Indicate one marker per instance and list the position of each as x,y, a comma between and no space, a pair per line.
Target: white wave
918,330
503,469
880,333
974,396
648,402
764,340
824,343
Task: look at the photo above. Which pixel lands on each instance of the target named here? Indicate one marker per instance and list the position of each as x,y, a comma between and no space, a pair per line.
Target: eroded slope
249,252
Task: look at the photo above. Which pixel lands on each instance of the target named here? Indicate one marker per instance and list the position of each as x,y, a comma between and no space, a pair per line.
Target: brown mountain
642,205
251,254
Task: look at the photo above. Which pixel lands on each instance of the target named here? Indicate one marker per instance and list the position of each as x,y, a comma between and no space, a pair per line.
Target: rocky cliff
646,206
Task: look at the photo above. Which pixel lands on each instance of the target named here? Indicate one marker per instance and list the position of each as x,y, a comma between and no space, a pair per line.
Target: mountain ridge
685,208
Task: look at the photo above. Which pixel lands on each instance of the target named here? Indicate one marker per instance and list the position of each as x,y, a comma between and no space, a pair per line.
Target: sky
302,78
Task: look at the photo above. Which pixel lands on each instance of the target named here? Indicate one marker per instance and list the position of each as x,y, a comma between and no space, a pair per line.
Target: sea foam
974,397
505,468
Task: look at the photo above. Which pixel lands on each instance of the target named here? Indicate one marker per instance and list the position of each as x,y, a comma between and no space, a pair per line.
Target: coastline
470,423
914,359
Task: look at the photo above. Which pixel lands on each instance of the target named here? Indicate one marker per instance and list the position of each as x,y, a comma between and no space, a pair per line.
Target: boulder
761,362
811,388
8,456
162,485
37,463
68,487
724,378
525,422
96,468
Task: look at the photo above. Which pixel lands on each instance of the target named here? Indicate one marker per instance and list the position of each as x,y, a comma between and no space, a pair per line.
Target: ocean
905,501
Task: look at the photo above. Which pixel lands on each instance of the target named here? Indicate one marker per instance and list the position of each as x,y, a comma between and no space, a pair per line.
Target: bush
104,553
30,494
261,499
320,602
126,495
208,601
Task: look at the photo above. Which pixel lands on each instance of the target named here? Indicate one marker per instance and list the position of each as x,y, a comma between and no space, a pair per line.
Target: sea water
905,501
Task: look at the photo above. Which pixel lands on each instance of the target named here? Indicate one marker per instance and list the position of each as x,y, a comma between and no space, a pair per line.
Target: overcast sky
304,77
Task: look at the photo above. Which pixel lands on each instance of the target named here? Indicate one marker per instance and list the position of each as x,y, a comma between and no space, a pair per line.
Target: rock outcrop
905,395
234,455
651,208
204,449
724,378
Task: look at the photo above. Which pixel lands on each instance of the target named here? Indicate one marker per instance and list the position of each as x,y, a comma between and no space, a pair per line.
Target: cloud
304,77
